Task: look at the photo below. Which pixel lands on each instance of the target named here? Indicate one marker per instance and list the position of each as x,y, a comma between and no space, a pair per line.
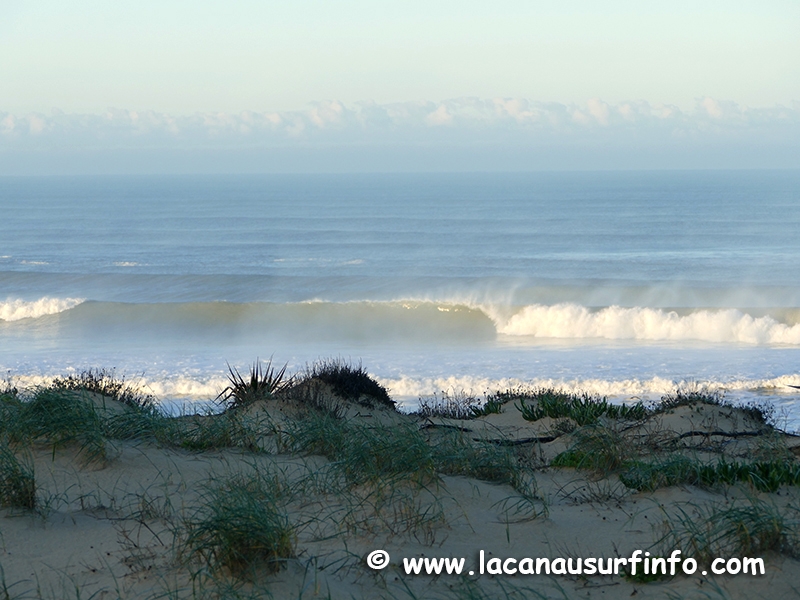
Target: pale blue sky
183,57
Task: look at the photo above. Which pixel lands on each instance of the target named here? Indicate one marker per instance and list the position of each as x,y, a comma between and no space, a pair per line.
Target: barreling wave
15,310
572,321
413,321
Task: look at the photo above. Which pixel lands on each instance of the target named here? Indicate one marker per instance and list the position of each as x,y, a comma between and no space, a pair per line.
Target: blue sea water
626,284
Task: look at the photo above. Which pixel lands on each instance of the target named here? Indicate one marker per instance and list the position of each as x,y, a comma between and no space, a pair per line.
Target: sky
94,85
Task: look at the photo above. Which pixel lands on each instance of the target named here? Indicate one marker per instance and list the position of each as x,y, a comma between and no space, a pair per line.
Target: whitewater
627,285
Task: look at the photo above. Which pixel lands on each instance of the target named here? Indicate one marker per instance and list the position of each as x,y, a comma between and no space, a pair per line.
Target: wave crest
14,310
573,321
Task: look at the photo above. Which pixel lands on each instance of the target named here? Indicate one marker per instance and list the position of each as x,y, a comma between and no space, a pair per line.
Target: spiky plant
263,383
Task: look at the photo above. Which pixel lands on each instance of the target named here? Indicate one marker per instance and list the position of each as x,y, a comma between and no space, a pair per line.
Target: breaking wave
416,320
572,321
14,310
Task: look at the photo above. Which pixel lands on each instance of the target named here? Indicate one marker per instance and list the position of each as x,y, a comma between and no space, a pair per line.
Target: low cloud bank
460,134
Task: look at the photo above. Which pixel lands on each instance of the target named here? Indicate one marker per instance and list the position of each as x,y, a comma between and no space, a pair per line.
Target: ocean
624,284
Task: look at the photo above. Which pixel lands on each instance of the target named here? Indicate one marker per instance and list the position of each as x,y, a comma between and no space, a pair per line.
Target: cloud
486,128
322,118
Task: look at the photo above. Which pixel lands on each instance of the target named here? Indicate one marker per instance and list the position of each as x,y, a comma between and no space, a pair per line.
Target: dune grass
747,528
240,525
458,405
584,408
201,433
596,448
449,405
361,452
764,476
456,454
105,383
59,417
760,412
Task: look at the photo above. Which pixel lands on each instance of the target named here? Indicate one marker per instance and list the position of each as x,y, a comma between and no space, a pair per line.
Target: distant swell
571,321
14,310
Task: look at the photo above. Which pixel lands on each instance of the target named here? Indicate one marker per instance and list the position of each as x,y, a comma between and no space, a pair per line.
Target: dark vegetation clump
263,383
17,483
351,382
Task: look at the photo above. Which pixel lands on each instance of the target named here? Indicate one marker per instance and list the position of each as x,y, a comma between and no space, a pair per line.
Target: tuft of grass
456,454
365,453
136,424
688,397
764,476
350,381
380,453
386,507
584,408
455,405
761,411
60,417
17,482
105,383
241,525
595,448
739,529
10,408
458,405
649,476
204,432
492,406
263,383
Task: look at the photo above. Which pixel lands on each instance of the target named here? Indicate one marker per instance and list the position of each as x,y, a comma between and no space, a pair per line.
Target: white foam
14,310
573,321
186,388
407,391
427,386
171,388
654,387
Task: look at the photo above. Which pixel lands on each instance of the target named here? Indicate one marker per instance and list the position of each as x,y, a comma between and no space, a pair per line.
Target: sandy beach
290,490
